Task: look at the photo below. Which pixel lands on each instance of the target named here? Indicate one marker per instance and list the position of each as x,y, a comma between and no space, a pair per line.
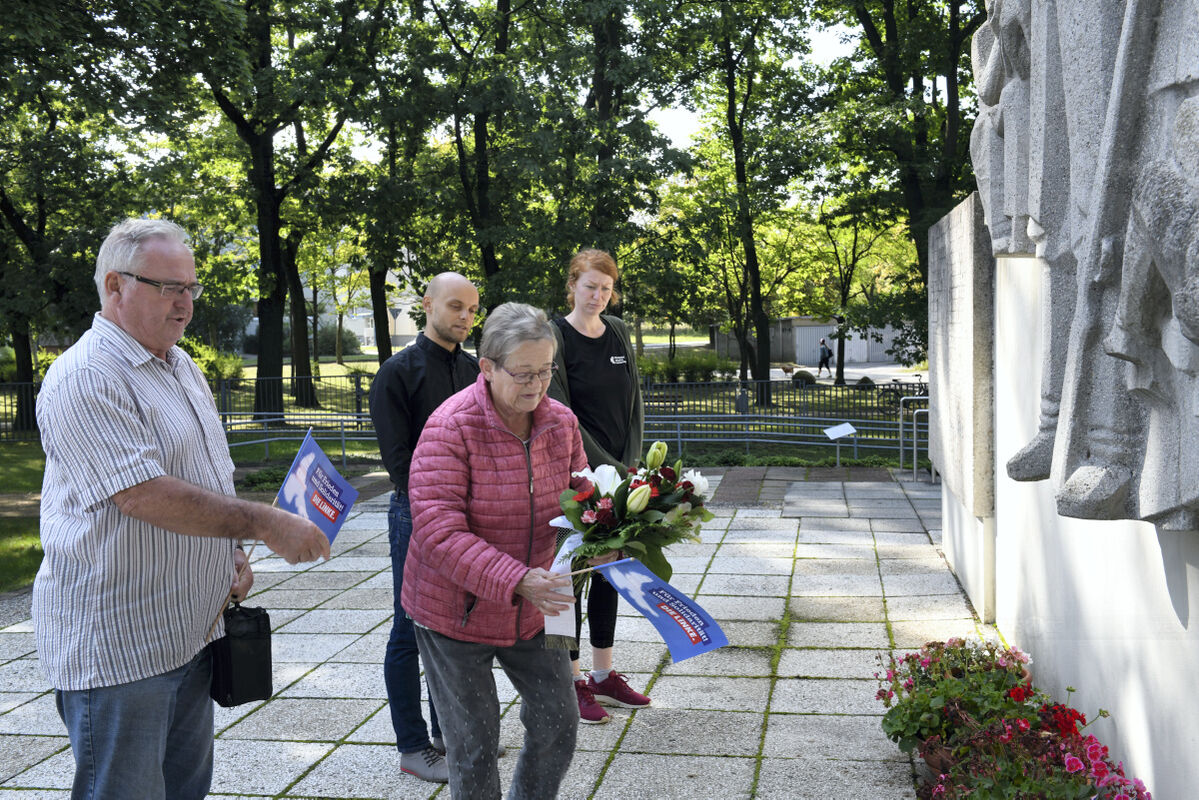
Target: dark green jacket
560,391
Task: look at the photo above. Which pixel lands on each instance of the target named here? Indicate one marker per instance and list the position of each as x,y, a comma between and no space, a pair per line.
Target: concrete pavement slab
744,585
829,736
835,780
824,696
838,634
828,663
636,776
775,715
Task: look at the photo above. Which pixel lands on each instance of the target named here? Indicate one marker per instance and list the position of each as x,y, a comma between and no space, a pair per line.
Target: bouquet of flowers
651,508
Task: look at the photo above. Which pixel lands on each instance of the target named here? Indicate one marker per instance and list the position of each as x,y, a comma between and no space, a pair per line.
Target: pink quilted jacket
481,506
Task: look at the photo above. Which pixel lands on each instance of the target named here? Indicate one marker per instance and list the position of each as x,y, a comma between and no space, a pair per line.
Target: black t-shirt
601,386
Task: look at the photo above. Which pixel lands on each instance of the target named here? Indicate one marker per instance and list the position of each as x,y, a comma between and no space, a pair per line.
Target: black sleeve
389,403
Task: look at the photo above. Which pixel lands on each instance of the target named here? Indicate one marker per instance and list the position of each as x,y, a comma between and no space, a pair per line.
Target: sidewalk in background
810,579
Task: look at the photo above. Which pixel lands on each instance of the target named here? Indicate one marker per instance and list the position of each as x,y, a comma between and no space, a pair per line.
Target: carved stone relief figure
1157,322
1097,450
1049,169
1092,136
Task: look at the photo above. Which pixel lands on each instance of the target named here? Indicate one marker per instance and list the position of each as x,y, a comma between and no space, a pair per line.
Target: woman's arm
438,485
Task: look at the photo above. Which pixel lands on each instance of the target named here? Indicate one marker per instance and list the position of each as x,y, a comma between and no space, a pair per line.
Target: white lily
605,477
676,513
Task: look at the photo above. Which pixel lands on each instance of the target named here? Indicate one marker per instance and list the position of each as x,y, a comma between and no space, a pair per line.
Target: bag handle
229,595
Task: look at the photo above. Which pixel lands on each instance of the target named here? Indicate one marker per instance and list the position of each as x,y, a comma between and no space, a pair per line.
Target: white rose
698,481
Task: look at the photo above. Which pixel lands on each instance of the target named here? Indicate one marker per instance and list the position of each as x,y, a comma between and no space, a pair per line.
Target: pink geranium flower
1073,763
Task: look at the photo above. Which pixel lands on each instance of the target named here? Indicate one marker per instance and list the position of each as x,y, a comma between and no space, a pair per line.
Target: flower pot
937,756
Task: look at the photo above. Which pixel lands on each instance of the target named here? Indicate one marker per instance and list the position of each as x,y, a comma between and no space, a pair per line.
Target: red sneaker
590,712
614,690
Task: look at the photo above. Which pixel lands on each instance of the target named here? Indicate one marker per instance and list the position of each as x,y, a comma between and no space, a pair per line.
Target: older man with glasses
140,528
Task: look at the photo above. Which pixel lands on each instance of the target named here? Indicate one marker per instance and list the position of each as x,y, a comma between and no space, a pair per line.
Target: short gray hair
121,251
510,325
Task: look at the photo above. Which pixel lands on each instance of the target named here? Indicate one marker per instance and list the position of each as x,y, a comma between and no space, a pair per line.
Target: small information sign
840,431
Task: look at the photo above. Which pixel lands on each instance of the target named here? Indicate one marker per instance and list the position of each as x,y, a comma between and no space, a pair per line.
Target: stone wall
1108,607
960,321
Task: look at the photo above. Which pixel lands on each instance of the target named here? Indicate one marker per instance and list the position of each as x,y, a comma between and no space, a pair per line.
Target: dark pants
401,664
602,602
460,678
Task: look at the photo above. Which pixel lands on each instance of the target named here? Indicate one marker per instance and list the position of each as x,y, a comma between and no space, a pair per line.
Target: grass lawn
21,466
20,552
361,456
328,367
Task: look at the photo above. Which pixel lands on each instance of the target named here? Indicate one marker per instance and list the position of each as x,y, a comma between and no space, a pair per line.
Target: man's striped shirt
116,599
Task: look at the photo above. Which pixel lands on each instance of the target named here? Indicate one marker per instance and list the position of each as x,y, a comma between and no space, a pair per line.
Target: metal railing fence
721,412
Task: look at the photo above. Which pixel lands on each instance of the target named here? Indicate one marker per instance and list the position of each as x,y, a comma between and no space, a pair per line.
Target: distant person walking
826,357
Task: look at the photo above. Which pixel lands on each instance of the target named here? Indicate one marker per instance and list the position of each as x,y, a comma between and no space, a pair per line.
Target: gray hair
121,251
510,325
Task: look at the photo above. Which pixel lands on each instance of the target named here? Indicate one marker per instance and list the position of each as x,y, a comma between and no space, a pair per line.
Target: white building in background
797,339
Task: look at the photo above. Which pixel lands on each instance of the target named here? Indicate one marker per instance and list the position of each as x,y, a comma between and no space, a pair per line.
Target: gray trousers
463,688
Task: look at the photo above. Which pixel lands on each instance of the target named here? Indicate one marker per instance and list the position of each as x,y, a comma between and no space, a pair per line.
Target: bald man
409,387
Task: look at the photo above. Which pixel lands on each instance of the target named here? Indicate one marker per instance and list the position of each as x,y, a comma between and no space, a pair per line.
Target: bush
215,364
803,378
326,339
350,344
694,365
44,359
8,364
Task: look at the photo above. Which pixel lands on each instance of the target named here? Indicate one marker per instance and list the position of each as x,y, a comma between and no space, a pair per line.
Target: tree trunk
745,231
22,345
840,379
272,286
340,328
381,313
305,391
316,347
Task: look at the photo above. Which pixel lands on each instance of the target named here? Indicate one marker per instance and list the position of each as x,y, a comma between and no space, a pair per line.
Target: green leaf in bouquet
673,499
656,563
634,547
620,499
652,515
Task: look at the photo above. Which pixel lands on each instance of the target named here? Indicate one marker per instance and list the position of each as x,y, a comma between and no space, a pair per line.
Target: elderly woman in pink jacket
484,485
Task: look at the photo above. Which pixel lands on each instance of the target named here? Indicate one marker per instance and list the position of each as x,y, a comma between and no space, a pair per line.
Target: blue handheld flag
315,491
686,628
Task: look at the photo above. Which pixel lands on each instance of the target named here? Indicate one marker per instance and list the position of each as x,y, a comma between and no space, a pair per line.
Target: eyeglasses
167,288
524,378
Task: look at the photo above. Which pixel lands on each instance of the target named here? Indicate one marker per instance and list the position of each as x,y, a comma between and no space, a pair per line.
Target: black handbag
241,659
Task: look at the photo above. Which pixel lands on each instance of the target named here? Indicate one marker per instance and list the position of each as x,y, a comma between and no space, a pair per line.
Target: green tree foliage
750,90
902,106
62,181
270,68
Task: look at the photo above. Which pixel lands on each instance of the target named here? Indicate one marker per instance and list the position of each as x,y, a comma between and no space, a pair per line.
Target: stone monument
1085,150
